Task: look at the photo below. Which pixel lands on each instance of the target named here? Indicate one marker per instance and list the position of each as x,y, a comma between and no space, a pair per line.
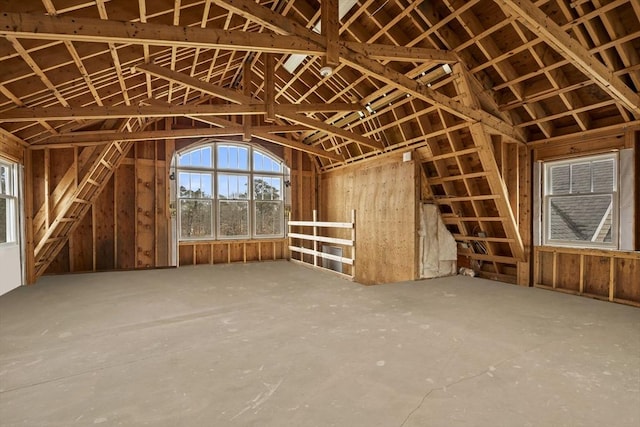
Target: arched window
230,191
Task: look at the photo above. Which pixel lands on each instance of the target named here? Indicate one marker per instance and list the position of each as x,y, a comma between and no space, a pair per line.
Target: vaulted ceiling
403,72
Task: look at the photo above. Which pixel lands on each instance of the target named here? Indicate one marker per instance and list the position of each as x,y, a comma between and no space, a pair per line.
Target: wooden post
353,247
28,210
246,84
330,28
612,278
554,279
581,288
315,242
269,87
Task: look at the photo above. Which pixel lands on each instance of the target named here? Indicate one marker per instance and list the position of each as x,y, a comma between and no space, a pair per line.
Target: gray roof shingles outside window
577,218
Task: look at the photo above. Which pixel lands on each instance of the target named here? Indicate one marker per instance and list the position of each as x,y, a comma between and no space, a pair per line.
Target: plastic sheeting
438,249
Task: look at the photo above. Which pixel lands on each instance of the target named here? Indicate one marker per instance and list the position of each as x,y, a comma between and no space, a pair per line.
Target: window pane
5,179
267,188
603,176
233,186
581,178
560,179
197,158
234,218
233,157
268,218
580,218
4,220
196,218
195,185
262,162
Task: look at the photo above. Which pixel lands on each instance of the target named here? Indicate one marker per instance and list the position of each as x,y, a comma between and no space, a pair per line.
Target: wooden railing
319,234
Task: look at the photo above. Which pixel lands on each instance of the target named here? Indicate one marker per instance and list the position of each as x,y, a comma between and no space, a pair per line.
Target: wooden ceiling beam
403,53
283,25
238,97
96,112
538,22
195,83
333,130
100,137
298,146
42,27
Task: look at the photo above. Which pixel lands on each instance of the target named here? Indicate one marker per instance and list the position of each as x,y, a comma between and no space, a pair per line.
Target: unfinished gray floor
277,344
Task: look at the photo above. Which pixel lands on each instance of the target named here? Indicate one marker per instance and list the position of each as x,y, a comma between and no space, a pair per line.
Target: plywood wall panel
11,150
61,160
145,215
627,276
61,263
105,228
81,246
568,269
220,254
545,267
203,254
185,255
162,219
37,167
384,197
125,217
251,251
596,275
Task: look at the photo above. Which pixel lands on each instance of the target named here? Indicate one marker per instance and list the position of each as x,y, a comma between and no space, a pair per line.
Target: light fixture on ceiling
294,60
326,71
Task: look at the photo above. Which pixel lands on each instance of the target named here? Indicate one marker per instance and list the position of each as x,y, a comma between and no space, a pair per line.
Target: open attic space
380,141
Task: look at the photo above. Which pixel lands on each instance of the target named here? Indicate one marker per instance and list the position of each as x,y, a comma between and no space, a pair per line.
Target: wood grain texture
384,197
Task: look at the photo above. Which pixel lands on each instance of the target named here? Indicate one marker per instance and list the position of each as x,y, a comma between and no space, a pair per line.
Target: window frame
547,196
10,198
250,200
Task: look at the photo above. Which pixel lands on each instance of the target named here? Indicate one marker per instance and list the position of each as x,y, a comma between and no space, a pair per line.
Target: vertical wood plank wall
126,227
383,193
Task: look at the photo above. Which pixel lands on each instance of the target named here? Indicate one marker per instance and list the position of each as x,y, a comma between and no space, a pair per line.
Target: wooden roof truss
448,78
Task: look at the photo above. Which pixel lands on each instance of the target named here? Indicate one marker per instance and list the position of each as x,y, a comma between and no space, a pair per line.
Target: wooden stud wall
602,274
384,194
230,251
126,227
304,192
11,149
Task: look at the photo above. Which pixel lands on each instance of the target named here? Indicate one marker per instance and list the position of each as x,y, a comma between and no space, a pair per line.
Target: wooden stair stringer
74,207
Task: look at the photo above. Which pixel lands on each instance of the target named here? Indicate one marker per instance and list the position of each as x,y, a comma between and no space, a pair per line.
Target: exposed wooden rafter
362,63
551,33
238,97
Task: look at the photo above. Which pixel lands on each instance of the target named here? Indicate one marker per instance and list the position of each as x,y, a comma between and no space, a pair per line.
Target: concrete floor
277,344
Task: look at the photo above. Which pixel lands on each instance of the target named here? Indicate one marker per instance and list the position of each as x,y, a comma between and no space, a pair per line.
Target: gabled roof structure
540,69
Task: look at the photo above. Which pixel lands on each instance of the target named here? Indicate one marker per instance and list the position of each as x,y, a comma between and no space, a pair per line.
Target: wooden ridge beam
538,22
106,112
333,130
60,28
